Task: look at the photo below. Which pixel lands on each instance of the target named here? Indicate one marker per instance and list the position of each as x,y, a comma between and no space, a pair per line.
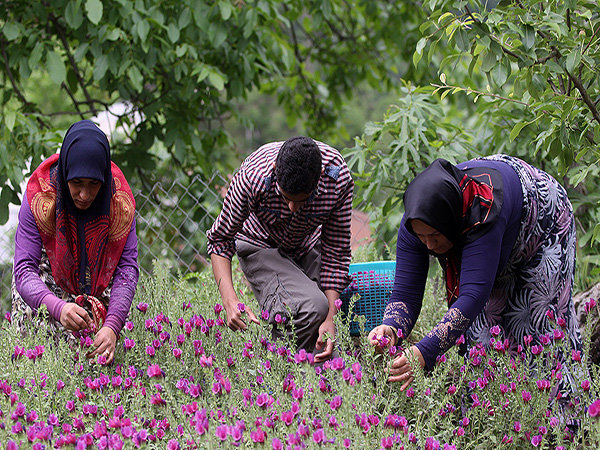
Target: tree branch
80,80
585,96
486,94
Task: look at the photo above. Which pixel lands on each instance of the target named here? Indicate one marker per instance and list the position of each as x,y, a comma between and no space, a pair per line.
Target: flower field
181,379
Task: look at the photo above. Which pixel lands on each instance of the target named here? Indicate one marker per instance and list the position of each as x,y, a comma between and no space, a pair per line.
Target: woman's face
435,241
84,191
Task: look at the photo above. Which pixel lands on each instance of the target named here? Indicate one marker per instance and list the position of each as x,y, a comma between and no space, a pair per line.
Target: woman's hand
382,337
74,318
401,370
105,342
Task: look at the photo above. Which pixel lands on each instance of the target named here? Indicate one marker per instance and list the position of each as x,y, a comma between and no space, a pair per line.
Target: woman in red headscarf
76,244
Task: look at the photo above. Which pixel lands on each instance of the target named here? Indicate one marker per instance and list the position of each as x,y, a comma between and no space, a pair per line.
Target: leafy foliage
521,79
179,66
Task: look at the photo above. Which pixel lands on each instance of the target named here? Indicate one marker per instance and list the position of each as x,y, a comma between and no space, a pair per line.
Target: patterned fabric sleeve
236,209
412,264
335,239
124,284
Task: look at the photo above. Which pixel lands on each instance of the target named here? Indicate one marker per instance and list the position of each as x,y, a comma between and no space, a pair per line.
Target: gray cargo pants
285,286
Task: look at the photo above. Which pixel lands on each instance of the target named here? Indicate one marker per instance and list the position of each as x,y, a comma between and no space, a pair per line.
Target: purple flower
173,444
154,371
319,436
241,307
142,307
536,440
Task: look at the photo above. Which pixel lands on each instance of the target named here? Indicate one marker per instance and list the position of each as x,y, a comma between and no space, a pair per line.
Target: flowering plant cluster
181,379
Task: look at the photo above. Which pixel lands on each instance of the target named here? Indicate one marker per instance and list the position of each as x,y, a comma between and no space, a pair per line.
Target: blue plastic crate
373,283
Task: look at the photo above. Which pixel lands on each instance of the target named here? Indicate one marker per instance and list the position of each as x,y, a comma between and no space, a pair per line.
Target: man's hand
105,342
401,370
74,318
325,340
238,315
382,337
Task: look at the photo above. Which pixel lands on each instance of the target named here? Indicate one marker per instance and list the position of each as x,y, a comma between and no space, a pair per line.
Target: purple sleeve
125,281
412,264
479,265
28,251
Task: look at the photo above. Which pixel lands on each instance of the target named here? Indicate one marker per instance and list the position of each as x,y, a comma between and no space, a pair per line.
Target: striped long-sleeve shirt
255,211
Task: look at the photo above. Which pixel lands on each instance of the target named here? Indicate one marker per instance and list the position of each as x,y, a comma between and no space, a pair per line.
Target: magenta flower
173,444
154,371
276,444
589,305
218,308
241,307
142,307
318,436
347,443
594,408
338,304
278,318
221,432
585,385
517,426
536,440
258,436
495,330
526,396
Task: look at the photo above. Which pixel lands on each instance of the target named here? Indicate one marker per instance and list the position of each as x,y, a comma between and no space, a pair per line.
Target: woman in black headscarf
504,234
76,245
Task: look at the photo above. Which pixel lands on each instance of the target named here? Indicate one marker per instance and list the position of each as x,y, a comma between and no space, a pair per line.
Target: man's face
294,201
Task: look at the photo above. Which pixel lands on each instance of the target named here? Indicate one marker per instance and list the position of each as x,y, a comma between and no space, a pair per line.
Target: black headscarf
460,204
85,153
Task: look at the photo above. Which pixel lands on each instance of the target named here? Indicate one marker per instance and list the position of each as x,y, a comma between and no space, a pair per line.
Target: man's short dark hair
298,165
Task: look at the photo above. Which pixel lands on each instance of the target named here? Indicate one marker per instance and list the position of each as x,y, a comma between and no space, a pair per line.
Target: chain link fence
172,217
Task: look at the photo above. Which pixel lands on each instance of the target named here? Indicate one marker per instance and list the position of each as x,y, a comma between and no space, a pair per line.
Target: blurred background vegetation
193,86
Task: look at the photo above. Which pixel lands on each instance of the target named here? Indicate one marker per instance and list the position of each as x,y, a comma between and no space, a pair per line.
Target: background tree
520,78
180,68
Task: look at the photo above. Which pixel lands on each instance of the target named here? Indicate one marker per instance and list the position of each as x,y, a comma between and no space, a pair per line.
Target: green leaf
94,10
100,67
226,9
528,37
56,67
143,27
11,31
500,73
573,60
73,14
216,80
517,129
488,61
136,78
9,120
462,39
173,33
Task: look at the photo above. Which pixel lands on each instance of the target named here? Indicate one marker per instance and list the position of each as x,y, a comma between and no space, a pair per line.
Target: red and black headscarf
83,246
460,204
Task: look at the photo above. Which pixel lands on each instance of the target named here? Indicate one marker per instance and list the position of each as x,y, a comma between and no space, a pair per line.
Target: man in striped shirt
287,216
